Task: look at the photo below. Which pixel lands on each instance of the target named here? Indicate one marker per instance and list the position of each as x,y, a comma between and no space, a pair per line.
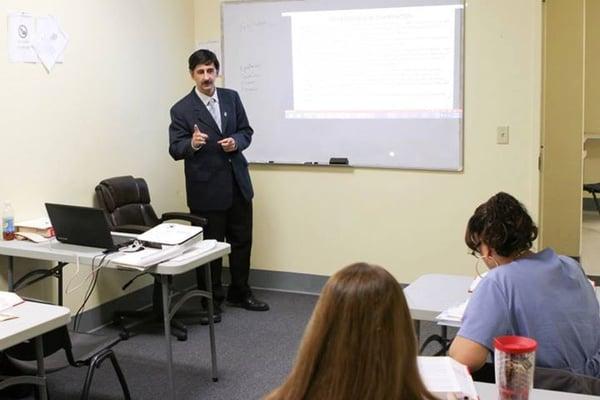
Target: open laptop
84,226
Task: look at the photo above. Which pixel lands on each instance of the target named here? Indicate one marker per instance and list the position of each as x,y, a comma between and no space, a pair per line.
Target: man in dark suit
209,130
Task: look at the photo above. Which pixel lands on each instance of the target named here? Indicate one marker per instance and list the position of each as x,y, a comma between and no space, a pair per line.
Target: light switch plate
502,135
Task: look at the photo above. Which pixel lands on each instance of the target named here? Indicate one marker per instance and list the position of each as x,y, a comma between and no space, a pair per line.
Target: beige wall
104,112
315,220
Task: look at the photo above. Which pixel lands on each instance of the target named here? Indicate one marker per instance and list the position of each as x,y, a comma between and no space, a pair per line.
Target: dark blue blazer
209,171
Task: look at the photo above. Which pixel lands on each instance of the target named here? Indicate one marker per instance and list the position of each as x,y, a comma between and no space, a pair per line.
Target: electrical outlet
502,135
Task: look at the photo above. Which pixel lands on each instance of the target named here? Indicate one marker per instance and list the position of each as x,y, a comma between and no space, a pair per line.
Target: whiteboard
378,83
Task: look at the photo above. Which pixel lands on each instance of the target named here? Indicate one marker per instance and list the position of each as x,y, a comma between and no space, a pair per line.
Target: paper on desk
9,300
445,376
453,314
38,223
145,258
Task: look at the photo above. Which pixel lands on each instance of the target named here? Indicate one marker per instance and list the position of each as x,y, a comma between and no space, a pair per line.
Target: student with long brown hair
359,344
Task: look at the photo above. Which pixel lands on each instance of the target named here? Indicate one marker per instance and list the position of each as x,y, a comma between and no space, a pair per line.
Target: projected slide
374,63
378,83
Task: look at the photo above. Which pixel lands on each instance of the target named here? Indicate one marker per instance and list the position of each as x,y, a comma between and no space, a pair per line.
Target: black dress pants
234,226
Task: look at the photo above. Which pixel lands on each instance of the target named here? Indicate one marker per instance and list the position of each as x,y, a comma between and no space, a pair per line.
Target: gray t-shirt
546,297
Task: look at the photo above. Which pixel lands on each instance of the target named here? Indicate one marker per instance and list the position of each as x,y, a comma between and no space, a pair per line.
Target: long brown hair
359,344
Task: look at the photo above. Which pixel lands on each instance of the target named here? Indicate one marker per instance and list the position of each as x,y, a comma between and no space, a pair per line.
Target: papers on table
446,378
149,257
453,315
9,300
38,223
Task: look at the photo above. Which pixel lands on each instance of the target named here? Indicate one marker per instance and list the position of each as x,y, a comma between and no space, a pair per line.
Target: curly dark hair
503,224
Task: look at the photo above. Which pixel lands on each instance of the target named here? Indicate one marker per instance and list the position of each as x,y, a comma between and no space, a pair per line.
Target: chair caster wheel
182,338
124,335
215,379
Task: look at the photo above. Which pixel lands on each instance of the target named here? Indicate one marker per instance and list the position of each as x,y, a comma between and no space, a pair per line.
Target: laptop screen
84,226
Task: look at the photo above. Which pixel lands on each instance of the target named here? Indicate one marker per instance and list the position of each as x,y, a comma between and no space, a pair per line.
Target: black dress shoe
249,303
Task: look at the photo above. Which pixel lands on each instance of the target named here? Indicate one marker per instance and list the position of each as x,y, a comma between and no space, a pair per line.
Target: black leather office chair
593,188
565,381
127,202
80,349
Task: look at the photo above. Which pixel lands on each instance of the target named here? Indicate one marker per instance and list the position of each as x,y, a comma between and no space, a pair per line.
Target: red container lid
515,344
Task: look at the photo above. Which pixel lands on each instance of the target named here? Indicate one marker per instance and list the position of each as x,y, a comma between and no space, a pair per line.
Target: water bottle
8,222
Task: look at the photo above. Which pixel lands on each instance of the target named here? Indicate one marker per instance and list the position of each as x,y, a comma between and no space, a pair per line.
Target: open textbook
452,316
446,378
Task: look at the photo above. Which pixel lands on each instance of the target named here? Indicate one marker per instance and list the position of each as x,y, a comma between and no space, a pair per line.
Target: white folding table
65,254
33,320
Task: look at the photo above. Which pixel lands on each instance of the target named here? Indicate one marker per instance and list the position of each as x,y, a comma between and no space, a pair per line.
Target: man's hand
228,144
198,138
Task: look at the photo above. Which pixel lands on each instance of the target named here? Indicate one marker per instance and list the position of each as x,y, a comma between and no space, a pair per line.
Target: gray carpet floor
255,351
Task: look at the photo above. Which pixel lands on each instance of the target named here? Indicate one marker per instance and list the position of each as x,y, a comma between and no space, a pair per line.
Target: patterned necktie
212,108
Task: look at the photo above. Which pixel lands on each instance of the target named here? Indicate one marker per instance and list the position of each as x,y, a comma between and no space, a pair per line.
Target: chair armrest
194,219
131,228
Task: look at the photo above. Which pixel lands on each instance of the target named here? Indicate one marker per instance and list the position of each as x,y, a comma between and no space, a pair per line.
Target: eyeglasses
474,253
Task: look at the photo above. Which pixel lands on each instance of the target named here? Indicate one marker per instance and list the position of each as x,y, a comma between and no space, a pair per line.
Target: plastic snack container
514,364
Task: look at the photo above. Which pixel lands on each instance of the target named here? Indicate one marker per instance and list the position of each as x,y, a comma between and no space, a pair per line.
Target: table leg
167,323
11,273
211,322
417,325
59,276
41,371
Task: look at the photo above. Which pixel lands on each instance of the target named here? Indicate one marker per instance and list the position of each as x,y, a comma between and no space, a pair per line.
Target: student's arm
485,317
468,352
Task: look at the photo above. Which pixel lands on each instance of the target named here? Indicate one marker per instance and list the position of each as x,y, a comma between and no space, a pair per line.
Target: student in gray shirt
541,295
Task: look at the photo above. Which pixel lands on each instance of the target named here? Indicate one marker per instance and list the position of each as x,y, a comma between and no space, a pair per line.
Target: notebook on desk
83,226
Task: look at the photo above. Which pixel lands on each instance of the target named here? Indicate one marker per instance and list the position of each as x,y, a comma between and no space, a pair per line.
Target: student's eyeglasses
474,253
479,257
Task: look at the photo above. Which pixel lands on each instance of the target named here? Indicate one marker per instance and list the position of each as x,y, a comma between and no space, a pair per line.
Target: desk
65,254
431,294
33,320
488,391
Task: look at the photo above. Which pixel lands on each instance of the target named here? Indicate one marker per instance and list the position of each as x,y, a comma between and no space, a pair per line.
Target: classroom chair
127,202
593,188
565,381
79,350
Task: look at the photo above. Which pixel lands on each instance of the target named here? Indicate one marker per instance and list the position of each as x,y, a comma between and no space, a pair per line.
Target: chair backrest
53,341
127,201
565,381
